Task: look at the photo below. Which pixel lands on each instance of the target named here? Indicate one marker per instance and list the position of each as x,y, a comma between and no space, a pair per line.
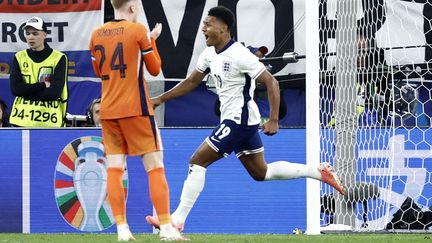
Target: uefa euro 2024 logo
80,185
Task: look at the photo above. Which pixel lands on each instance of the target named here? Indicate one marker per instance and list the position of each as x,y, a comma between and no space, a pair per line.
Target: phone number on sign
35,115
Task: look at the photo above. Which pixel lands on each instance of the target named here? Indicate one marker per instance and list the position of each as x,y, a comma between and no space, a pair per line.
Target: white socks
283,170
192,187
194,183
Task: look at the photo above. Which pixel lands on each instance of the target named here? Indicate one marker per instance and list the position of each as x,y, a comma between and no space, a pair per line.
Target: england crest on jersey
226,67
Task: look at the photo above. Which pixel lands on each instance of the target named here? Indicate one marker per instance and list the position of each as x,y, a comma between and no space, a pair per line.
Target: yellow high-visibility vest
33,113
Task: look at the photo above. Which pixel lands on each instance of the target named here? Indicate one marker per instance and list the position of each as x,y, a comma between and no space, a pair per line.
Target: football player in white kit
235,70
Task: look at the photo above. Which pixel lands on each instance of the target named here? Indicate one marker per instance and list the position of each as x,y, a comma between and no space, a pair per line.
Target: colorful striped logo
80,185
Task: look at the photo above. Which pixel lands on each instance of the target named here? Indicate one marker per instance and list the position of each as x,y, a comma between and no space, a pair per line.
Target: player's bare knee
195,160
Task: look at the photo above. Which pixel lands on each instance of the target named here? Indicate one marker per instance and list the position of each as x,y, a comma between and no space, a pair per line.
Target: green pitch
220,238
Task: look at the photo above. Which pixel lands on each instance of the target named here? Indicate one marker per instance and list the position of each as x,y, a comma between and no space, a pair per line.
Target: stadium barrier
40,185
42,191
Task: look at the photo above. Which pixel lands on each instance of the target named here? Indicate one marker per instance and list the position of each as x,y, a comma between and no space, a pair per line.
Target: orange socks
159,194
116,195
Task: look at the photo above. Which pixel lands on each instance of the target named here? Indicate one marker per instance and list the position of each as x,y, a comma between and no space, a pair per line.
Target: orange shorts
135,135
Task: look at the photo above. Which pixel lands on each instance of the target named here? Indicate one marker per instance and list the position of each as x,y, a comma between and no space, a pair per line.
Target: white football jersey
233,70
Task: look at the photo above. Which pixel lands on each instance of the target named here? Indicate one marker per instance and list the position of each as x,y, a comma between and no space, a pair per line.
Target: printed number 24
117,59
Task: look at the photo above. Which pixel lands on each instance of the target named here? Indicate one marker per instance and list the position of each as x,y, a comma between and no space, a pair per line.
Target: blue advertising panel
397,161
400,163
61,160
232,202
10,181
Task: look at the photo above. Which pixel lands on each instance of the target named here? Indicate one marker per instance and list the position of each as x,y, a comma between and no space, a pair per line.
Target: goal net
375,113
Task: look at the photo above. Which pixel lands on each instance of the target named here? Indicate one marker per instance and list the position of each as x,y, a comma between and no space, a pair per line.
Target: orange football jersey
119,50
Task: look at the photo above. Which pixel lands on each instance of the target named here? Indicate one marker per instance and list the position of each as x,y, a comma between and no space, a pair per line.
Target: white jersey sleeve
202,63
249,63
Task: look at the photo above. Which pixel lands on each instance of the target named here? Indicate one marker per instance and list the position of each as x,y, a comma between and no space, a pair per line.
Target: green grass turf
220,238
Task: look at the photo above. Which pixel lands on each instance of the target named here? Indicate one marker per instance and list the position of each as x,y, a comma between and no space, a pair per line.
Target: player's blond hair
117,4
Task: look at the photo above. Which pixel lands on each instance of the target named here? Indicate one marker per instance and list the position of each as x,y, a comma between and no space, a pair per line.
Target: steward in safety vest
38,79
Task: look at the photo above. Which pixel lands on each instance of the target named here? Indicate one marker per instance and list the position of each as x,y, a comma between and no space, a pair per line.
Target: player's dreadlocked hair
224,14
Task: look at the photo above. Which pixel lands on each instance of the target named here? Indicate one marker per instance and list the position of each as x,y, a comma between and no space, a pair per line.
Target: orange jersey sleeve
117,49
152,60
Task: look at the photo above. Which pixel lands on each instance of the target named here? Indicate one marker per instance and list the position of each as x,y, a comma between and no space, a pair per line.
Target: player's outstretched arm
182,88
272,125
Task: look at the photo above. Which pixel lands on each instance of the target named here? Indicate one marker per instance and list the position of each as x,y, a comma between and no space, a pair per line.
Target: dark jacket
38,91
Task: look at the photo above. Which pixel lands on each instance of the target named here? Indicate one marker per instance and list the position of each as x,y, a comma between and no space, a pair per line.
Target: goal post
312,115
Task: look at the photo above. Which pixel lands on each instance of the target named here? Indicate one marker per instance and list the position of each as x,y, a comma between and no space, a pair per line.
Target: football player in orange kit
119,50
